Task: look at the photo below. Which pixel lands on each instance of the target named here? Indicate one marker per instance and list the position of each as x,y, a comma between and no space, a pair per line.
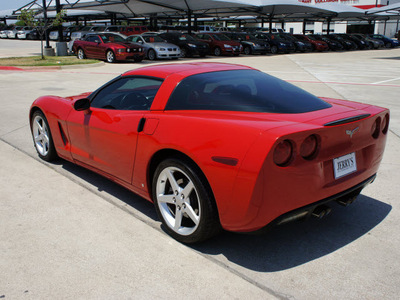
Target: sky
13,4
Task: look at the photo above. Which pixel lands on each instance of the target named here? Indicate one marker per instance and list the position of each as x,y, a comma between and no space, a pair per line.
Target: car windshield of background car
221,37
242,90
153,39
112,38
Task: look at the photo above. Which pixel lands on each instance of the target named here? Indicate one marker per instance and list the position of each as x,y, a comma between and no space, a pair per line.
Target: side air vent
62,133
347,120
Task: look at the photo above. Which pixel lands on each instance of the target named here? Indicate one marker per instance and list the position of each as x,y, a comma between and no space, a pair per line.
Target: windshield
186,37
111,38
242,90
221,37
153,39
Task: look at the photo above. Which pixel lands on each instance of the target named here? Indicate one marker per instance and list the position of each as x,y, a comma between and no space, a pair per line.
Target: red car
317,44
220,44
107,46
216,145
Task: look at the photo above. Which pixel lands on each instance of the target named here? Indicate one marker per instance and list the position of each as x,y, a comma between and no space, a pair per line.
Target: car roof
184,69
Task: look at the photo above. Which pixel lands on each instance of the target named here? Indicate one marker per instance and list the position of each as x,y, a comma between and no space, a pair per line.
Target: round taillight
375,129
283,153
309,147
385,124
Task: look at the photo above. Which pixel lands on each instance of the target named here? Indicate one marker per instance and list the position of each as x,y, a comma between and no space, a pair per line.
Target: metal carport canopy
216,8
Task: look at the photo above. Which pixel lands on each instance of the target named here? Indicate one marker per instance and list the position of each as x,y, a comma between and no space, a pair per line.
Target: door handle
141,124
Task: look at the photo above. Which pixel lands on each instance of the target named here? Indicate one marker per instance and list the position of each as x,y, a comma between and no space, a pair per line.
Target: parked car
130,30
3,34
346,43
318,45
300,46
28,33
155,47
361,43
278,44
107,46
389,43
375,43
188,45
332,44
67,31
220,44
12,33
251,45
216,145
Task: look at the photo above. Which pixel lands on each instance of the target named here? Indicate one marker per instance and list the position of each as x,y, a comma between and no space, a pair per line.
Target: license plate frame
344,165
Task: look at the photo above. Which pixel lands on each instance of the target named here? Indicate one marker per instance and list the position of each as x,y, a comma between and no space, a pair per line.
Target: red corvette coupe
216,145
107,46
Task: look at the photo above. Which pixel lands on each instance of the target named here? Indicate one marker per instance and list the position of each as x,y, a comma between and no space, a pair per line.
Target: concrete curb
49,68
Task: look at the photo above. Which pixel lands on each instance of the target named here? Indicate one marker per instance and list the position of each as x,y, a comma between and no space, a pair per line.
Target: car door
92,43
105,137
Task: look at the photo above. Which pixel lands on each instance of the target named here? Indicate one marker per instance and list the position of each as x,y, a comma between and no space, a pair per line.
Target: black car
277,44
300,46
346,43
361,43
333,45
189,45
251,45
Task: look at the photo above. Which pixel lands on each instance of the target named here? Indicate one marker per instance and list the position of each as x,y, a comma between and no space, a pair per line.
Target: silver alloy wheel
41,135
178,201
110,56
81,54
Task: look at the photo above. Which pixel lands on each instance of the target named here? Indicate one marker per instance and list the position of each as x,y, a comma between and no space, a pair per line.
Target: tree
28,17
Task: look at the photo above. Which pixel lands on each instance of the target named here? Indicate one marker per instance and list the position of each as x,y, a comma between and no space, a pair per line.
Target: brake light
309,147
375,129
283,153
385,124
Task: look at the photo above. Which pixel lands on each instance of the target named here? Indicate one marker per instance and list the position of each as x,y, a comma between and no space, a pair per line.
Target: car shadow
99,183
299,242
277,249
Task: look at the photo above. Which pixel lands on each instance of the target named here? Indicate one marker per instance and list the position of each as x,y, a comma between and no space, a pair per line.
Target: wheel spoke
172,181
38,138
39,125
192,215
188,189
178,219
166,199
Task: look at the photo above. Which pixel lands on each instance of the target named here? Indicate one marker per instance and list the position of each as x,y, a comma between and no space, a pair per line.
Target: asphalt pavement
67,233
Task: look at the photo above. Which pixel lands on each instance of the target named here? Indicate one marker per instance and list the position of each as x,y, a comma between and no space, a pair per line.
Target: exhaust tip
346,201
321,211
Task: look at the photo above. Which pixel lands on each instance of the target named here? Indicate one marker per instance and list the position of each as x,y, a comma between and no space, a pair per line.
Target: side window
128,93
94,39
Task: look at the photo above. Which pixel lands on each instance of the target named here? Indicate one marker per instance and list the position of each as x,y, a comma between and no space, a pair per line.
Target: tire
81,54
217,51
388,45
247,50
42,138
151,55
184,202
110,56
274,49
184,53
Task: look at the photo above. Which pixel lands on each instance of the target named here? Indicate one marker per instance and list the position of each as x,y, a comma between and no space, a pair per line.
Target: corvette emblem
351,132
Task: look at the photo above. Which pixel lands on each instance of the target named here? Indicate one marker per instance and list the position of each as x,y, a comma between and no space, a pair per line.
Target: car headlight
192,45
227,46
300,43
161,49
128,50
282,44
121,50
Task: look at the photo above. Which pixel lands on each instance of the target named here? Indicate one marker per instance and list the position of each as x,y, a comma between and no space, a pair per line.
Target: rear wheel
110,56
184,202
247,50
81,54
42,138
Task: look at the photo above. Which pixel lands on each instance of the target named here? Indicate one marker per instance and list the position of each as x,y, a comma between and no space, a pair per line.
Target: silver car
28,33
12,33
155,47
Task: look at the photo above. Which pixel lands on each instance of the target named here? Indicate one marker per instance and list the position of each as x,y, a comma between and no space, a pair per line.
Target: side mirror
82,104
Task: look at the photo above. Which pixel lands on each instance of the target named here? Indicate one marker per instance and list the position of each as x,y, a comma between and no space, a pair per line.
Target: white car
3,34
155,47
12,33
27,33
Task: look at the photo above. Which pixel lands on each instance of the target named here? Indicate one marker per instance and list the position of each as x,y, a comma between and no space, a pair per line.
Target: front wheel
110,56
81,54
217,51
184,202
274,49
42,138
151,55
247,50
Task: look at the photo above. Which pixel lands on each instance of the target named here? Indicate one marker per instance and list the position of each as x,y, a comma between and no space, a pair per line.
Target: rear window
242,90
